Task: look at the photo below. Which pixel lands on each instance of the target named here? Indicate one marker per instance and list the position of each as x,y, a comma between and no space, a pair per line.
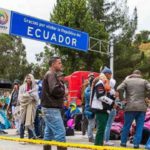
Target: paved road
9,145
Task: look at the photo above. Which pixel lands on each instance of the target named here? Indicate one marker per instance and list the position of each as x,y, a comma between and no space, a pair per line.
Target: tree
112,13
101,19
77,15
127,55
13,63
111,16
142,41
142,37
43,58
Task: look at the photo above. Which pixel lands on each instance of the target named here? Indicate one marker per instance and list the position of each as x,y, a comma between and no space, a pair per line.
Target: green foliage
126,60
76,14
13,63
114,13
144,65
127,56
97,8
100,18
142,37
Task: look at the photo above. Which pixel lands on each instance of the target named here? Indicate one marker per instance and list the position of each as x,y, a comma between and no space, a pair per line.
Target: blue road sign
37,29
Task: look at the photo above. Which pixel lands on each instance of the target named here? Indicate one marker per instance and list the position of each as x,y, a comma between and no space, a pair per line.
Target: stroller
74,124
70,127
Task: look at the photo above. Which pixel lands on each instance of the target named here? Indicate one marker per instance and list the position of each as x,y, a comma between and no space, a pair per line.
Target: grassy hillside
145,47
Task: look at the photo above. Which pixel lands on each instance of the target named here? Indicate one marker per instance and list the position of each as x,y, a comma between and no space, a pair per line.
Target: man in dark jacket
52,101
135,89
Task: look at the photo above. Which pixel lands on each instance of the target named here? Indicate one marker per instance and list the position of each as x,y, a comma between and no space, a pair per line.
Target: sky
143,10
42,8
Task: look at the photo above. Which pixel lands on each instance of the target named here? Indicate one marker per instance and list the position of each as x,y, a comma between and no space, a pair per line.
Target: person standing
112,114
28,100
135,88
87,112
101,103
84,122
52,102
14,103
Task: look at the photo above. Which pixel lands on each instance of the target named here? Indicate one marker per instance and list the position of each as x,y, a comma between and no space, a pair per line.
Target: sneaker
83,132
91,140
108,143
4,132
123,145
17,132
136,146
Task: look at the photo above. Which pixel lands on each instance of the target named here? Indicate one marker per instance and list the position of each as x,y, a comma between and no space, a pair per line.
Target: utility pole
111,53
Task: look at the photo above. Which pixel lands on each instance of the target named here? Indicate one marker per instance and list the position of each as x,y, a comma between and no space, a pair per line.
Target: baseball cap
106,70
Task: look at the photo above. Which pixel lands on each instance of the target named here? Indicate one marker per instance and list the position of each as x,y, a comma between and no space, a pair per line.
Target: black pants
145,135
36,123
30,132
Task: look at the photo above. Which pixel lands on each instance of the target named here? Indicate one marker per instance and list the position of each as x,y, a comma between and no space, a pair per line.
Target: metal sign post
96,45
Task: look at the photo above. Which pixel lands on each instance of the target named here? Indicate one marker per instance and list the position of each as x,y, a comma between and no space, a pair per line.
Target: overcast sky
42,8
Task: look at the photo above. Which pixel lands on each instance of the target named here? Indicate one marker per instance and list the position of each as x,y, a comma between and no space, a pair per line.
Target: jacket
100,99
52,91
87,111
135,89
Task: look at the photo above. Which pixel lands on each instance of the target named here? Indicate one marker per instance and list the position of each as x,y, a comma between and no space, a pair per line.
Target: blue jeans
54,126
109,123
91,125
128,119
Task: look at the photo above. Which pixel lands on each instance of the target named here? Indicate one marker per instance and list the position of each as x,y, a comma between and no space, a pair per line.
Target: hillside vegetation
145,47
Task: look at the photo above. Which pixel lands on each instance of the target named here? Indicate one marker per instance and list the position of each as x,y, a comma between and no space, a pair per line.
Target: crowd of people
121,111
